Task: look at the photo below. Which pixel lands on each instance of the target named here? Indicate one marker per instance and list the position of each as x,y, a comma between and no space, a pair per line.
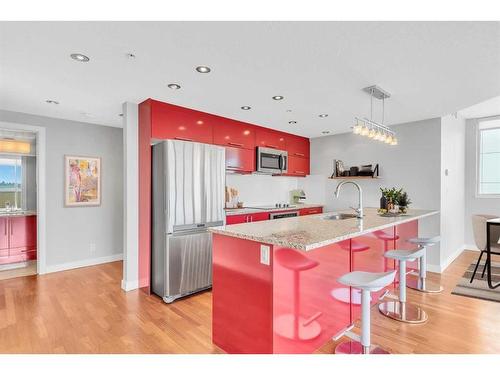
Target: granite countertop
17,213
313,231
250,210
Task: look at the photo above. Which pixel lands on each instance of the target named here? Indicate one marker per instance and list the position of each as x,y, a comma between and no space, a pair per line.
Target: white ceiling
487,108
431,69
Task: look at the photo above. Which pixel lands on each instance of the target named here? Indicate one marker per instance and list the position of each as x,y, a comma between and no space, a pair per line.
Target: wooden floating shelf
354,178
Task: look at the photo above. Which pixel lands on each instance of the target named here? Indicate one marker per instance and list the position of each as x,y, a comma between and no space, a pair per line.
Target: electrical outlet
92,248
264,254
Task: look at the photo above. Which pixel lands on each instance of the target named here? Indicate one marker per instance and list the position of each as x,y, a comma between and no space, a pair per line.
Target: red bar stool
294,326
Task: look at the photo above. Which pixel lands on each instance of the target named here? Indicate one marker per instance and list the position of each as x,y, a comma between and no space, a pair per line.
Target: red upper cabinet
174,122
270,138
298,166
297,146
240,160
234,133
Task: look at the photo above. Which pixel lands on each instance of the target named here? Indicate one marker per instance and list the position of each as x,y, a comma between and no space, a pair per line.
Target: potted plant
403,202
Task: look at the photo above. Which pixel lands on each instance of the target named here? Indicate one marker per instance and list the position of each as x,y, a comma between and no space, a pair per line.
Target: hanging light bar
373,129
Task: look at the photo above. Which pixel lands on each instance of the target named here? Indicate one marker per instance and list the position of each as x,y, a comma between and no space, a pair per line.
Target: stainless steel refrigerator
188,198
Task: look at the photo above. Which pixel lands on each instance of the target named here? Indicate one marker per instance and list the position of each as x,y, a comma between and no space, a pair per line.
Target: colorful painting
83,181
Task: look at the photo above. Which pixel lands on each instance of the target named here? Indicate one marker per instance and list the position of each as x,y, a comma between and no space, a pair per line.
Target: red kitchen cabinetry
240,159
297,146
173,122
247,218
17,239
234,134
298,166
270,138
310,211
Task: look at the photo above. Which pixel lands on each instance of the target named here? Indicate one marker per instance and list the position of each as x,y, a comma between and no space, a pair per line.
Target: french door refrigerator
188,198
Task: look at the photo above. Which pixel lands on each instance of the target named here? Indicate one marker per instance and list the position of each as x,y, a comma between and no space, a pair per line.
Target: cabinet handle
235,144
300,172
233,167
299,154
251,219
272,146
5,226
183,139
11,227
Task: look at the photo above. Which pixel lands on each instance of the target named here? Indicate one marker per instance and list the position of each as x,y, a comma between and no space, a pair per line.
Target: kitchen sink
339,217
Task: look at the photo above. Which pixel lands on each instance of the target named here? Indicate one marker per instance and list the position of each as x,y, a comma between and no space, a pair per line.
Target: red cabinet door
236,219
4,237
297,146
298,166
173,122
240,159
310,211
259,216
270,138
234,133
22,232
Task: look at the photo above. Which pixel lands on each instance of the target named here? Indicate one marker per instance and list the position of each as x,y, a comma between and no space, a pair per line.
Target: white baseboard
83,263
130,285
440,269
471,247
13,266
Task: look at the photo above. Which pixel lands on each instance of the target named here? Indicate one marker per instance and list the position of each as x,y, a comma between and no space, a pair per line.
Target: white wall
414,164
452,188
71,231
257,190
474,205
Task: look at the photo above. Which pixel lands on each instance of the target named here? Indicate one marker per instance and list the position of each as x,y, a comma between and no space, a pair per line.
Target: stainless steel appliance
272,161
188,198
281,215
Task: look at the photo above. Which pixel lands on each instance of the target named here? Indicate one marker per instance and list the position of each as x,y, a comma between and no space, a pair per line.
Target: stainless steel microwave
272,161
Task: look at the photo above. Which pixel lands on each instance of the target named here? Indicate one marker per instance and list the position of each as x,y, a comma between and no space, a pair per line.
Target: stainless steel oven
270,160
281,215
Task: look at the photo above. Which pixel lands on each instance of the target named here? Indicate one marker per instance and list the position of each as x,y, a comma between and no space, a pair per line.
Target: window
488,173
10,181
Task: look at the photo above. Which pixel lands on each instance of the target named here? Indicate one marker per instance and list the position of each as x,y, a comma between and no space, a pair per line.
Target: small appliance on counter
184,174
297,195
232,198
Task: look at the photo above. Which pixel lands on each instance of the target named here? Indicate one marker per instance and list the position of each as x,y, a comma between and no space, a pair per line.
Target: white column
130,279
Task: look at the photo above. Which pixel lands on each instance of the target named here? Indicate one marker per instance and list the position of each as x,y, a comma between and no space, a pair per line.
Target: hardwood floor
85,311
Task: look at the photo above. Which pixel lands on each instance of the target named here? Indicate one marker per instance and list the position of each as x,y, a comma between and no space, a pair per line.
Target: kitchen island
275,286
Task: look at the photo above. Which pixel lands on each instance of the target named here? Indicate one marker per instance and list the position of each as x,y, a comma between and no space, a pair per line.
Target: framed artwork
82,181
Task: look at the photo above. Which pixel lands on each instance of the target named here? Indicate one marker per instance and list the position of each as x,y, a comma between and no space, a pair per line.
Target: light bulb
388,139
365,130
383,137
377,135
372,133
356,129
394,141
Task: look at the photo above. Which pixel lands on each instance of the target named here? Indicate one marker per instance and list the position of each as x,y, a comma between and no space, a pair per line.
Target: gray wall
414,165
474,205
71,231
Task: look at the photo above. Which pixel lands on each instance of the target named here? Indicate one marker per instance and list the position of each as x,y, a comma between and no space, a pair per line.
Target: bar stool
368,282
419,283
386,237
294,326
350,295
401,310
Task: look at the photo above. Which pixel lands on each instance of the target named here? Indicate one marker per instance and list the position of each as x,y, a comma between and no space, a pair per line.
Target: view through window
10,182
489,157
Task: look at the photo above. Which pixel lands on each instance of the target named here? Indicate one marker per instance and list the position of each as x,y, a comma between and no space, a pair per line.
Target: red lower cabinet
247,218
240,160
17,239
310,211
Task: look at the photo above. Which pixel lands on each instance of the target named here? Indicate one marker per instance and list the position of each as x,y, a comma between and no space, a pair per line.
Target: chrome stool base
423,285
354,347
403,312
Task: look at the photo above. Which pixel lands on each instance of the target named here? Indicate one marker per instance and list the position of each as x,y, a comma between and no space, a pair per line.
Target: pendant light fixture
373,129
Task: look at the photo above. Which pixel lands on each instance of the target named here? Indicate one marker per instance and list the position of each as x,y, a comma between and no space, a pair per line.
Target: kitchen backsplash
255,189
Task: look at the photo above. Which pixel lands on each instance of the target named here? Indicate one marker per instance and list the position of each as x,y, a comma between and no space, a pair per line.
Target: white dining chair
479,230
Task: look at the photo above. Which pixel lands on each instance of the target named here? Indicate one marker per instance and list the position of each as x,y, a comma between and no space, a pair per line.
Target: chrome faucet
359,210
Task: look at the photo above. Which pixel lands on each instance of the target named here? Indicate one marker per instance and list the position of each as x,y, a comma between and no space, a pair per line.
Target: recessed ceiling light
278,97
79,57
292,122
246,108
323,115
120,114
289,110
50,101
174,86
203,69
89,115
325,132
130,56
